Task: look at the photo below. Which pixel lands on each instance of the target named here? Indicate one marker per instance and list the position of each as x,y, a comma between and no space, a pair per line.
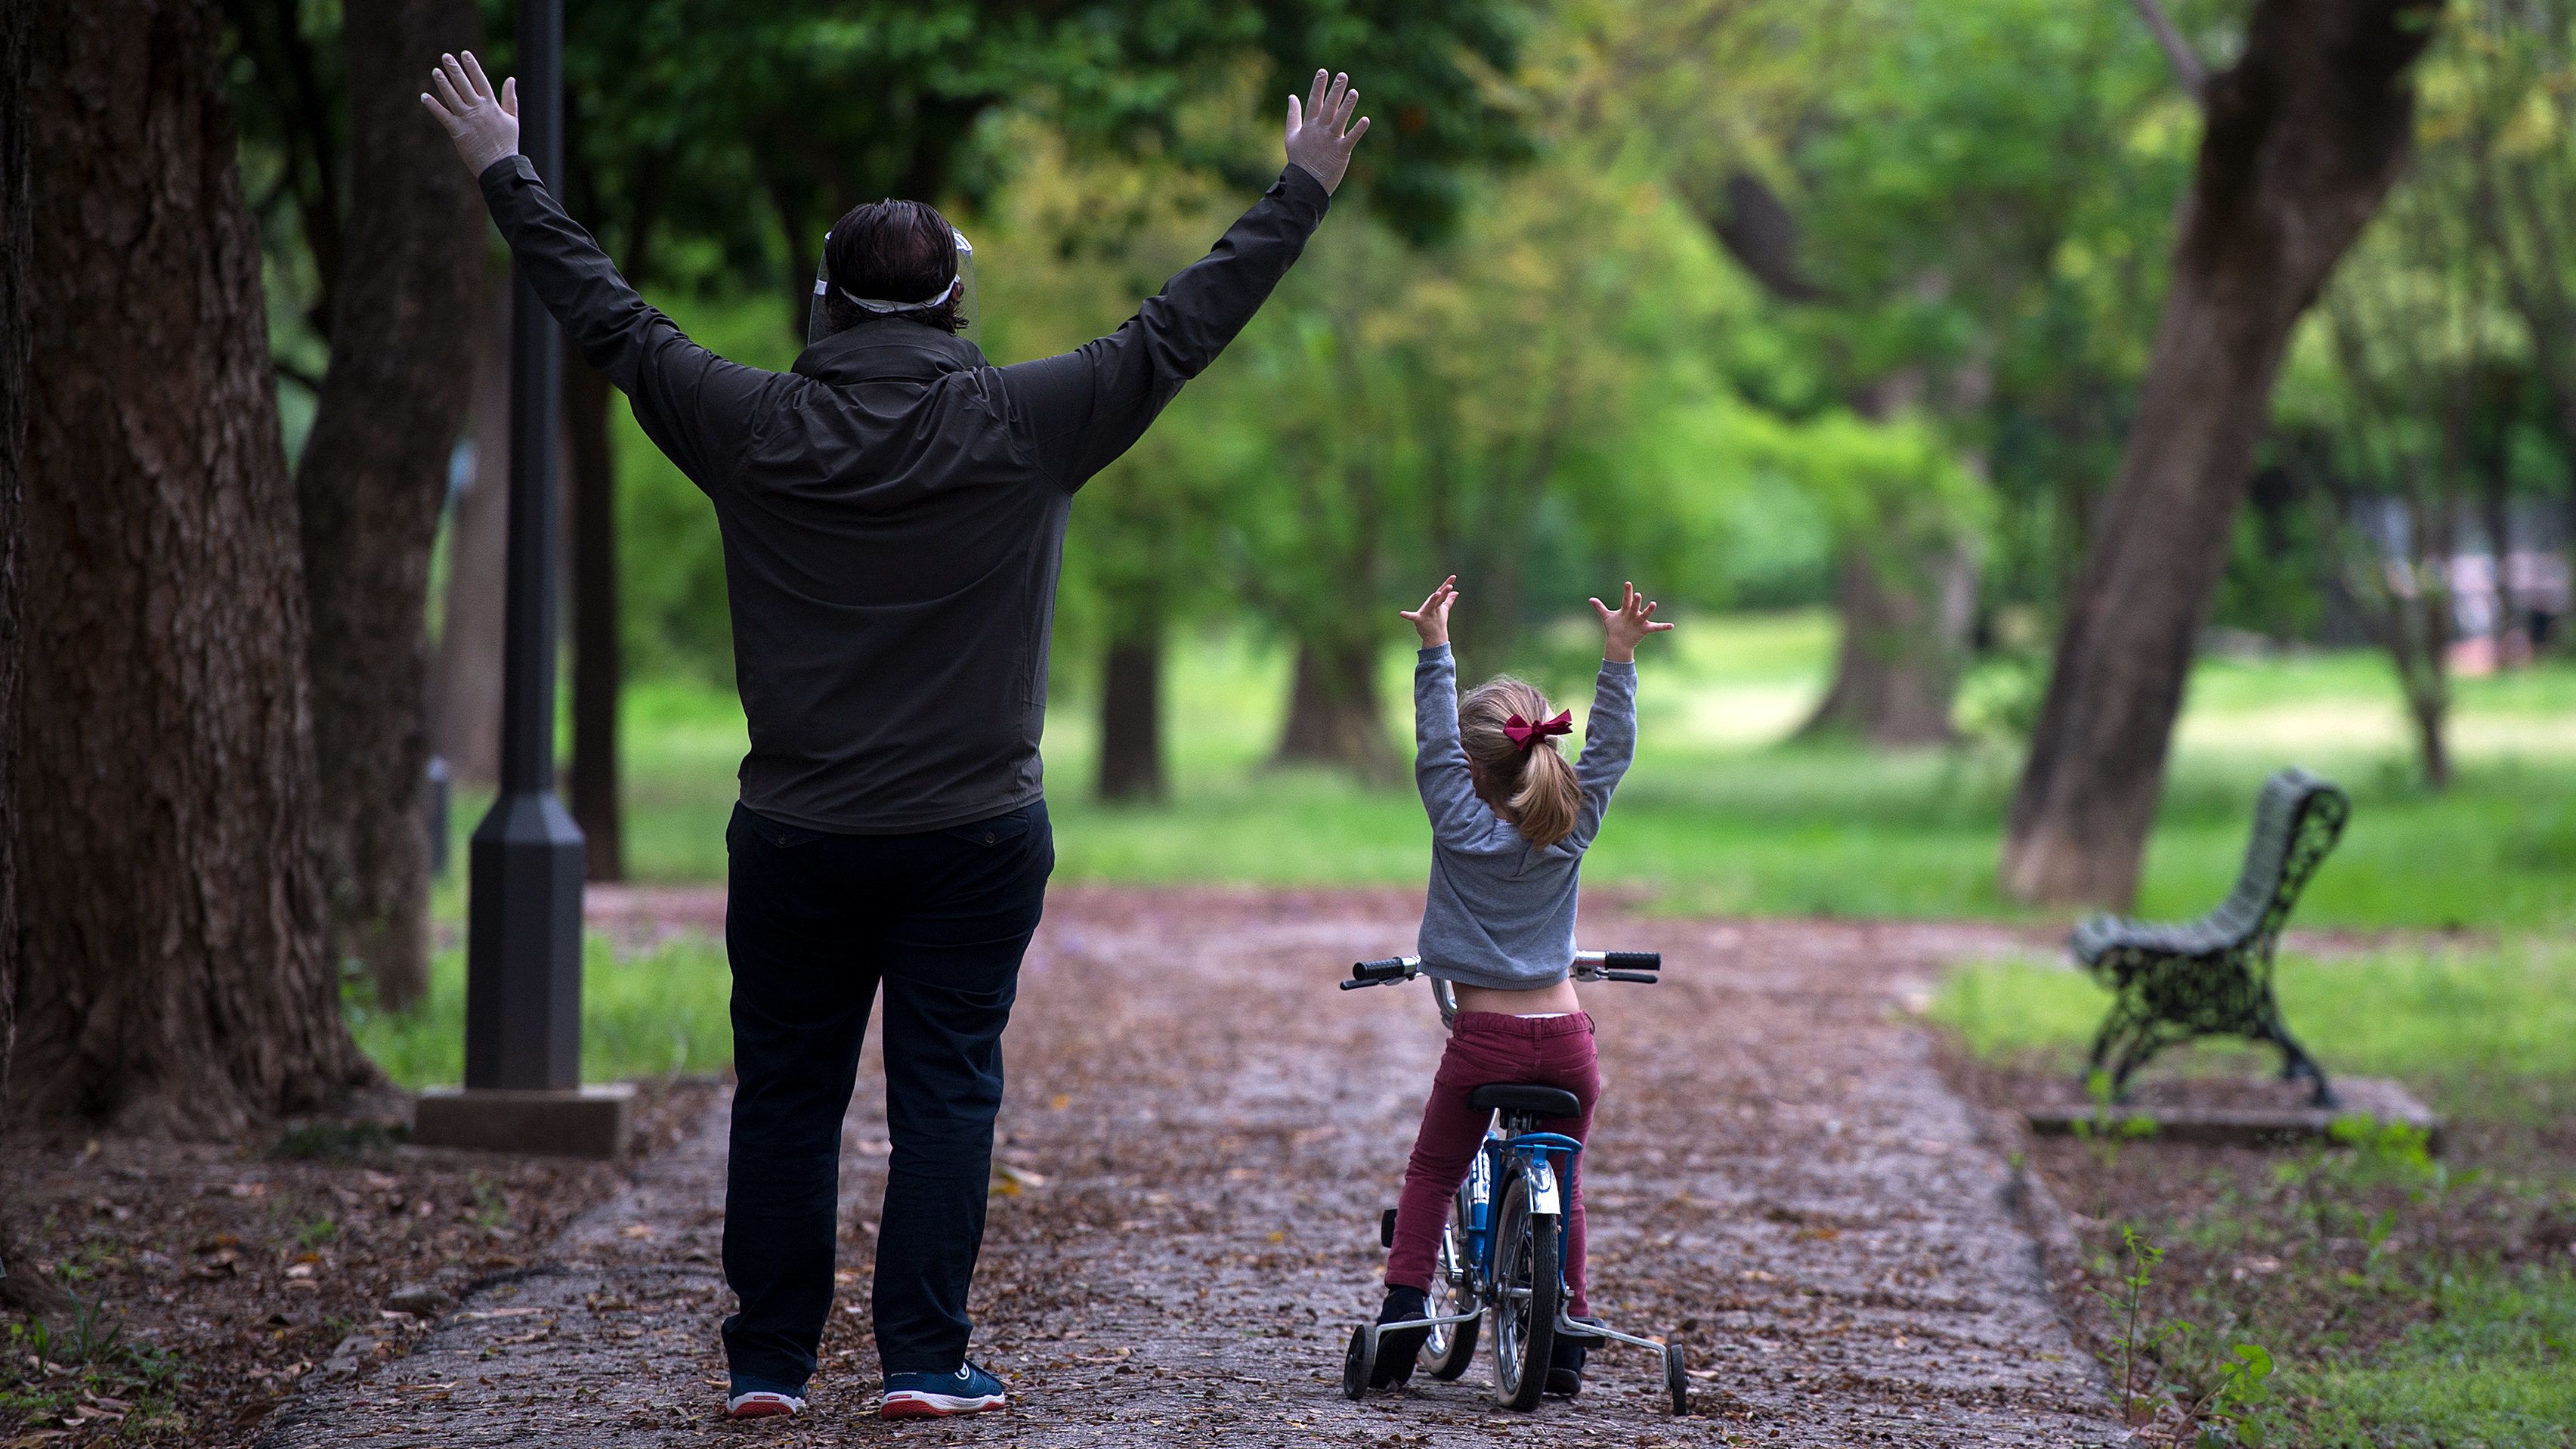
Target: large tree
14,240
2302,138
175,976
373,479
1912,185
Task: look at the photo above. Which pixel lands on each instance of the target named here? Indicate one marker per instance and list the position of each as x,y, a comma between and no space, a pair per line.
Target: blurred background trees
1851,304
1955,323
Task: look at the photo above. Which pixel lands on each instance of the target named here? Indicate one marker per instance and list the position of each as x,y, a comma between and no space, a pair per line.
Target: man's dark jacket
893,509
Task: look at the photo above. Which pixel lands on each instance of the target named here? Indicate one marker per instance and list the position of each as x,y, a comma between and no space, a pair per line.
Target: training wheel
1359,1361
1677,1379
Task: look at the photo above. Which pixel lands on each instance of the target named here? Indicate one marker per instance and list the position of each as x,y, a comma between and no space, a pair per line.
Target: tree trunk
1333,713
24,1287
1131,719
14,241
175,974
2304,136
1904,644
1904,632
374,479
597,670
2431,714
465,675
2495,516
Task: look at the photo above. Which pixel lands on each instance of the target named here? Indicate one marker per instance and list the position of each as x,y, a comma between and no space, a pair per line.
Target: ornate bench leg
2297,1064
2093,1062
2126,1040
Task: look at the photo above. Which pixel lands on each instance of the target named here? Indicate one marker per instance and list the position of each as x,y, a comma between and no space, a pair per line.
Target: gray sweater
1500,911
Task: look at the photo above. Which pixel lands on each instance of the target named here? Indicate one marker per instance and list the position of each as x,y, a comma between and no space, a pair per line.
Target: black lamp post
525,866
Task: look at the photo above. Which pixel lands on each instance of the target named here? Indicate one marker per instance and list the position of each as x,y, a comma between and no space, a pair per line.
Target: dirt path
1203,1131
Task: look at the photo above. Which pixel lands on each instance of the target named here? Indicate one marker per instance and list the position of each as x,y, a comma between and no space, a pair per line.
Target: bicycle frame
1514,1146
1532,1155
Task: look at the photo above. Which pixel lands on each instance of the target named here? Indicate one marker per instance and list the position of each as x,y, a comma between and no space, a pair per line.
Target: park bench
2213,976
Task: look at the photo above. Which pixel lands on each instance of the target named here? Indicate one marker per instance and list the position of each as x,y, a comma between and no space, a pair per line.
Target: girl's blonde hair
1539,793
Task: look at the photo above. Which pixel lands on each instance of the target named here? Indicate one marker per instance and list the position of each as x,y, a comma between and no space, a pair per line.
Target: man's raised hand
1431,621
483,122
1622,627
1320,133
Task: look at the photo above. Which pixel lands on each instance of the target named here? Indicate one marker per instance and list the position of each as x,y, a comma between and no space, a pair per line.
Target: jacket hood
883,348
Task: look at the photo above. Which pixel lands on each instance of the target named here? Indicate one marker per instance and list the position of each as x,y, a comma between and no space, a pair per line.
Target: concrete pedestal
2243,1124
579,1122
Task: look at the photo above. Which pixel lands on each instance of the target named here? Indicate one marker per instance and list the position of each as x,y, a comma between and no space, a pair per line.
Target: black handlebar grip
1648,977
1634,960
1369,973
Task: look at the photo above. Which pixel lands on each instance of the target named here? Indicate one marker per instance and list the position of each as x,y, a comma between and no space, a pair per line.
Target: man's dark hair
891,251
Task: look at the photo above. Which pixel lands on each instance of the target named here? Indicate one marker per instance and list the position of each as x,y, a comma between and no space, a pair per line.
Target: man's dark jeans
814,924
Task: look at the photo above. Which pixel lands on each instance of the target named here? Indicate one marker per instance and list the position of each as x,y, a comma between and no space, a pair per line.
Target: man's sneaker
748,1400
1396,1350
970,1390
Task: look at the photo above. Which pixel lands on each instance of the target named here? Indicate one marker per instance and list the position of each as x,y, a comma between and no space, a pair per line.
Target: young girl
1510,820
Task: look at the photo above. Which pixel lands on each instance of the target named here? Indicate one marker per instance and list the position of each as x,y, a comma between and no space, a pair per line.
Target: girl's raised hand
1431,621
1622,627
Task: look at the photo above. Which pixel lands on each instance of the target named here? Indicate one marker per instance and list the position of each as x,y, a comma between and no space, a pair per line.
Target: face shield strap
871,304
961,290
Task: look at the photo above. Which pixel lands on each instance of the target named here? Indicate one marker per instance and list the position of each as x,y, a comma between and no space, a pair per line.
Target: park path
1199,1135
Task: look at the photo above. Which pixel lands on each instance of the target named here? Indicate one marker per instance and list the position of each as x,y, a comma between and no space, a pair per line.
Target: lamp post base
523,946
580,1122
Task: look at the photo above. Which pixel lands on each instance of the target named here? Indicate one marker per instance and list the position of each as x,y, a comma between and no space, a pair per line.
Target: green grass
649,1013
2487,1032
1719,815
2465,1332
2496,1367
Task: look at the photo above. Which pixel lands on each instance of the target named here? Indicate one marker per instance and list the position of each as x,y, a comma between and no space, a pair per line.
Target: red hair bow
1526,735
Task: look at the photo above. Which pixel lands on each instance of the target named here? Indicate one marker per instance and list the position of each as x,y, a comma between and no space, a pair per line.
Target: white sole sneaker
916,1404
763,1404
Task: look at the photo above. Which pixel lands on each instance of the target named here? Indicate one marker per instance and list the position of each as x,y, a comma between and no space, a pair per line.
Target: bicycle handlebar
1588,966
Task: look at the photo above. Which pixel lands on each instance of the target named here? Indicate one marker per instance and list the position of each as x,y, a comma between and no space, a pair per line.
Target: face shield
962,291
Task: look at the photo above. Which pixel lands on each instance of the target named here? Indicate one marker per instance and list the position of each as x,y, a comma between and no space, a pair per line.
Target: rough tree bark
2304,135
374,479
465,675
1904,645
1334,717
14,240
23,1285
175,979
1131,718
590,493
598,668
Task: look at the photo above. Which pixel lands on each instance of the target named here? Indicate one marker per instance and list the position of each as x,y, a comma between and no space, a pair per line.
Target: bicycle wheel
1527,1283
1451,1347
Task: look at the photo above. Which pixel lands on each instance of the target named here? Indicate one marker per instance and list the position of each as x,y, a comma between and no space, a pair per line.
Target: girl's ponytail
1533,787
1544,806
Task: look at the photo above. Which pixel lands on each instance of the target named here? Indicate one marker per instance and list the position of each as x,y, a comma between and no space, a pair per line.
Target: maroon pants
1485,1048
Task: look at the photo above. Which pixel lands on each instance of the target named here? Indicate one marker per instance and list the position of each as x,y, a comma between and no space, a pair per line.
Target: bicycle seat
1520,1097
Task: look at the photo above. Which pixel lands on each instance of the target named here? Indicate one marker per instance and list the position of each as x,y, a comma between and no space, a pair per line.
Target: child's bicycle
1503,1249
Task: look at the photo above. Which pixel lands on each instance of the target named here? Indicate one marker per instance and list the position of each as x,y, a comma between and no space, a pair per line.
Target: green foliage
2126,1302
747,127
335,1141
2495,1364
653,1012
1718,817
